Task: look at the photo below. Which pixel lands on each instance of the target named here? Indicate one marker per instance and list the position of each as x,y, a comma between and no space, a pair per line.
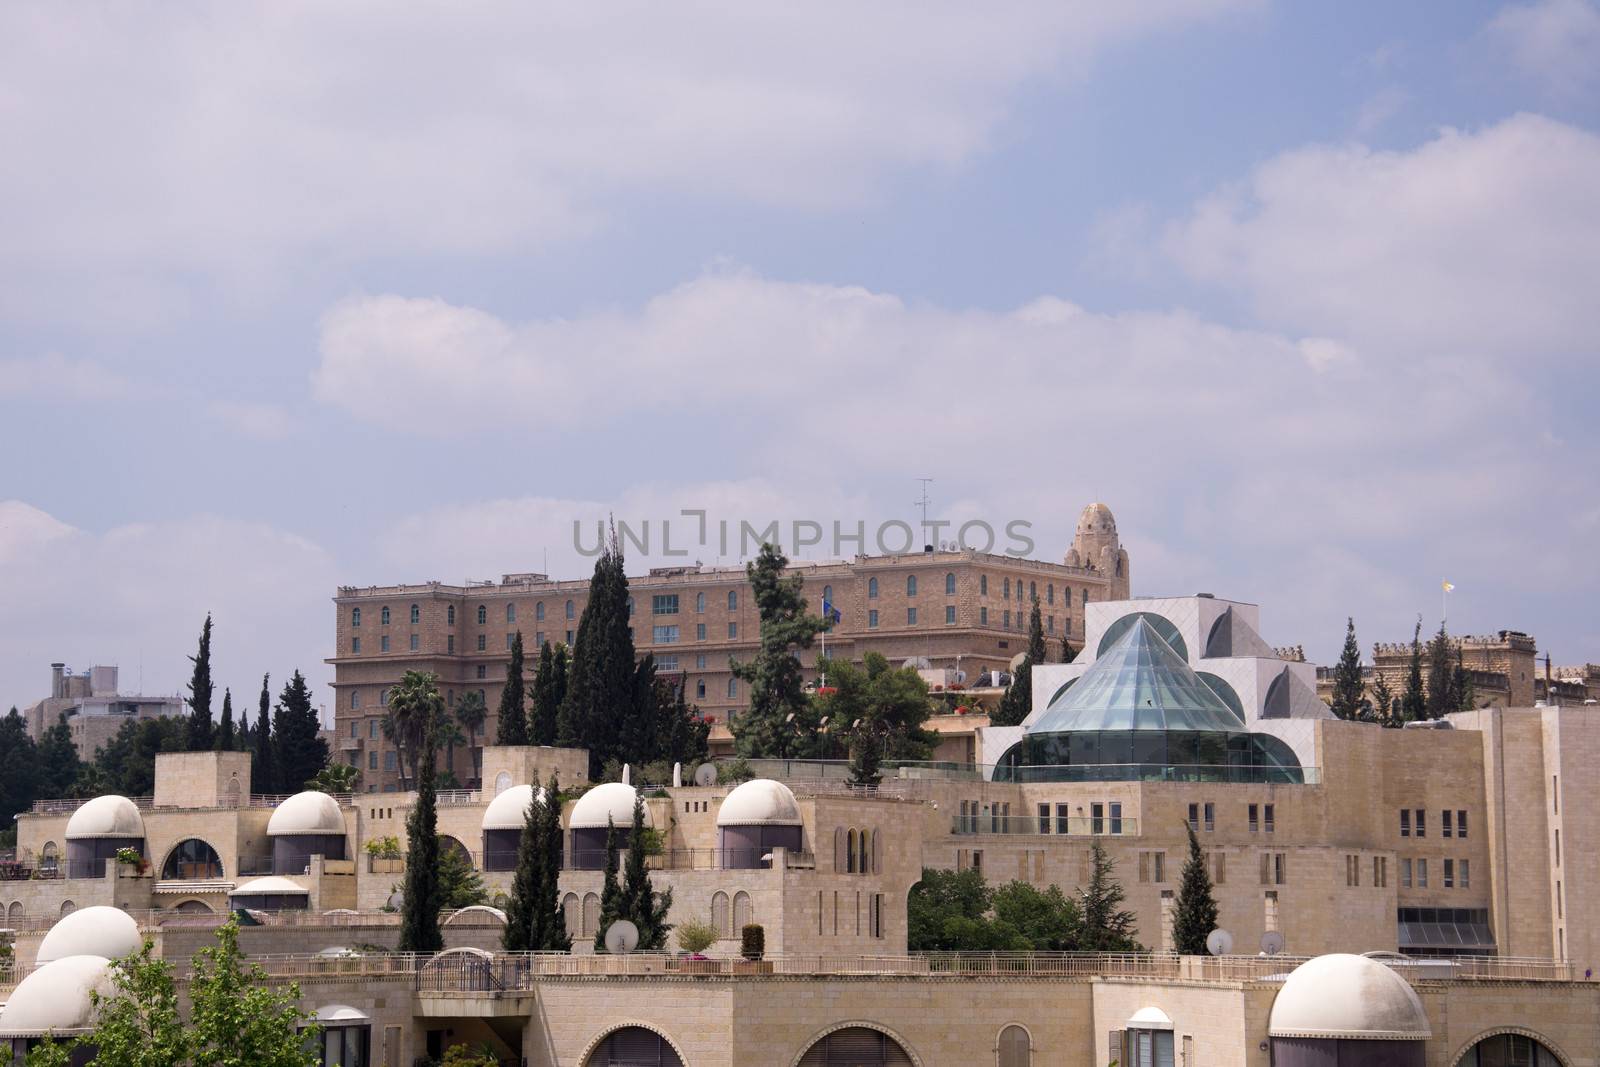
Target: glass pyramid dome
1139,683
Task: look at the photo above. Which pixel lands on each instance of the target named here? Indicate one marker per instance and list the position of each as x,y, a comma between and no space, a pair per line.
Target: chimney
56,671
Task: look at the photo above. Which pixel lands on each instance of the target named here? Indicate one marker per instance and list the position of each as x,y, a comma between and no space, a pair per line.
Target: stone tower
1095,547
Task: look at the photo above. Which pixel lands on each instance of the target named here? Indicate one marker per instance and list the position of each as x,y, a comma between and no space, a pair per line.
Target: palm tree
412,704
448,734
471,713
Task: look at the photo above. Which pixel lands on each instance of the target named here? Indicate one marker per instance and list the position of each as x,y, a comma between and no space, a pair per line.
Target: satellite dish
677,775
1272,942
961,676
622,937
705,774
917,663
627,774
1219,942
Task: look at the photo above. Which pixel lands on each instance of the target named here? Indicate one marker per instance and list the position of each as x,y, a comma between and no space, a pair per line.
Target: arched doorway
1509,1049
634,1046
192,860
194,907
856,1046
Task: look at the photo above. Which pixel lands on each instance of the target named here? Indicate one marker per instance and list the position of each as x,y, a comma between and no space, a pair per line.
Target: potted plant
694,937
384,855
130,858
753,946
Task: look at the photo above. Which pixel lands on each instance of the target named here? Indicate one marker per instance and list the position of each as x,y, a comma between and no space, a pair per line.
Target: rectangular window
733,631
911,616
1007,623
1461,823
1267,817
1063,820
983,616
373,726
568,639
1160,864
1097,818
355,702
699,631
1211,817
1461,871
1445,823
872,618
667,663
1380,872
1044,818
1422,823
510,638
1254,821
1194,817
664,604
450,643
355,727
700,660
1422,874
388,759
483,670
1116,816
483,642
1405,874
372,760
1279,863
1405,822
1050,624
1449,874
538,639
355,646
949,614
664,635
383,643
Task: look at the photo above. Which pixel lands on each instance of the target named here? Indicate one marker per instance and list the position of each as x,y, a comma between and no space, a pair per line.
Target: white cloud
54,375
1555,43
1474,242
162,141
135,596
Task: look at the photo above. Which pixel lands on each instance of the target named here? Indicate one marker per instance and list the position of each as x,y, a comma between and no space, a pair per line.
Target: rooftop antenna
923,504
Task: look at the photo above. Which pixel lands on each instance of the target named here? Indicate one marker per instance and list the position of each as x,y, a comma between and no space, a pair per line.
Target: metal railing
1074,825
1159,772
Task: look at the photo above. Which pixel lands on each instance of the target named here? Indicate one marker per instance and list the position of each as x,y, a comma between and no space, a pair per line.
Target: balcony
1074,826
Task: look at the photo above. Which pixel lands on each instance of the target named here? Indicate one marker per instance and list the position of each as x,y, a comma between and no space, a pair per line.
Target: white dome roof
759,802
96,931
270,884
310,812
56,997
107,816
509,810
613,801
1342,995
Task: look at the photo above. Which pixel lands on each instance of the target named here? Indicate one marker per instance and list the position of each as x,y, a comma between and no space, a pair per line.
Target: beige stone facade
1504,669
94,708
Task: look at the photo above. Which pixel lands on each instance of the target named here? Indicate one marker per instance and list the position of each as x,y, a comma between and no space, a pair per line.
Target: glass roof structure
1139,683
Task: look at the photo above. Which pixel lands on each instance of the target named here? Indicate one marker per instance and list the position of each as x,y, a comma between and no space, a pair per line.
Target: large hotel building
962,610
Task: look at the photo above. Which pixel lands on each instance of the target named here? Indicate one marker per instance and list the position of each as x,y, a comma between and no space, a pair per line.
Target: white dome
613,801
56,997
107,816
759,802
96,931
509,810
1342,995
270,884
310,812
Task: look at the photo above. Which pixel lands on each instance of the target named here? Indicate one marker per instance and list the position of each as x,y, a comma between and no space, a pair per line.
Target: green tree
59,765
1383,699
512,725
1068,653
336,779
299,750
1466,695
447,735
471,713
225,733
1442,695
778,719
881,711
137,1022
1047,918
127,763
240,1017
263,774
638,901
552,925
523,918
202,732
19,769
460,885
1017,701
1349,687
948,911
1195,914
419,919
1107,926
600,688
610,889
546,705
1413,701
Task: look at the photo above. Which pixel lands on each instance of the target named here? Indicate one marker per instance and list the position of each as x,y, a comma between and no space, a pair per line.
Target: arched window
911,585
570,613
355,616
983,585
699,602
1050,593
950,584
1007,594
634,1046
511,612
856,1045
1509,1049
721,920
733,688
192,860
572,915
450,614
850,846
14,913
744,913
1033,591
827,593
230,793
864,843
591,914
483,614
538,611
733,600
416,614
383,617
838,849
67,908
872,589
48,856
1015,1048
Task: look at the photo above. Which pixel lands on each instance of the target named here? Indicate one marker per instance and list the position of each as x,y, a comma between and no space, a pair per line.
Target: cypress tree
1383,710
1348,685
638,901
524,923
600,684
1107,927
299,750
263,775
610,892
422,899
642,737
59,765
19,768
777,695
559,675
1068,653
1018,699
555,937
1413,704
225,738
1195,915
512,728
542,716
201,731
1466,696
1442,697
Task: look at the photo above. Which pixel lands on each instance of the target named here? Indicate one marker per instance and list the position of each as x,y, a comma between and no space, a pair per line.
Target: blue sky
294,297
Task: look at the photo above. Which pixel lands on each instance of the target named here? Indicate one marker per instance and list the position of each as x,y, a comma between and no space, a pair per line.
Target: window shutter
1116,1048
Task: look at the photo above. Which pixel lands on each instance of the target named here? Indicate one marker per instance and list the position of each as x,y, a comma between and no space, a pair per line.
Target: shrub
469,1056
753,942
695,936
731,772
387,848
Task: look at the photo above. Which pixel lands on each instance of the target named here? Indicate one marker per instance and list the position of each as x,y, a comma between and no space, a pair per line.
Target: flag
830,613
1448,586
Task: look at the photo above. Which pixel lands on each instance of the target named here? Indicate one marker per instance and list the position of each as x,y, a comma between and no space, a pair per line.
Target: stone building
1503,668
963,611
94,708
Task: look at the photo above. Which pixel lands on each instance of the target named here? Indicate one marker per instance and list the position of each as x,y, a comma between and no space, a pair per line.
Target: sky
301,295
